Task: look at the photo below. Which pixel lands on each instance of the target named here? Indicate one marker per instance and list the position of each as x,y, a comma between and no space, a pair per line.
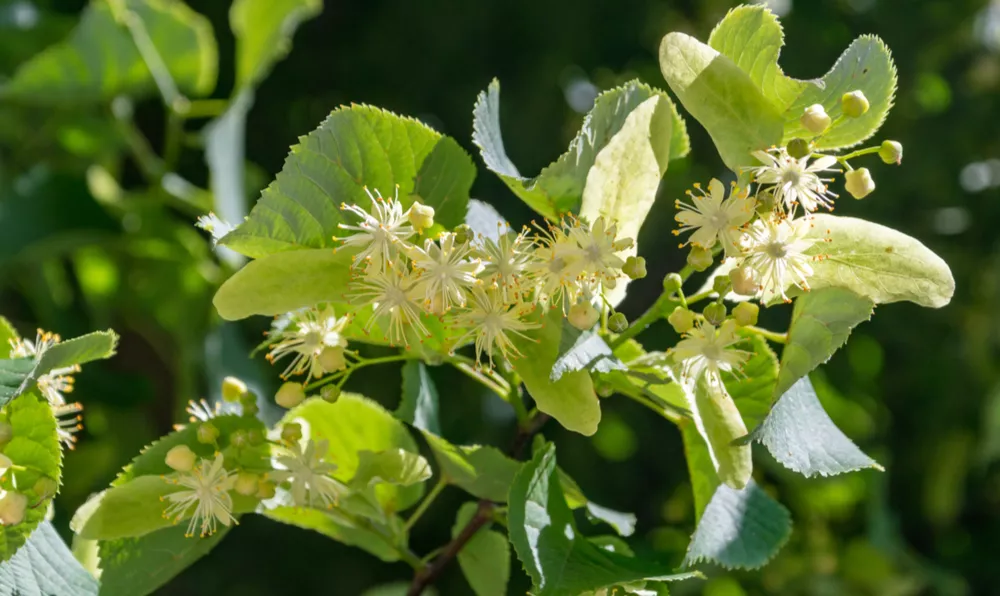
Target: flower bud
672,282
859,183
265,489
855,104
291,432
290,395
421,216
233,389
682,320
330,393
583,315
746,313
247,483
604,389
255,437
12,508
744,280
45,487
721,285
463,234
635,267
181,458
700,258
332,359
207,433
798,148
815,119
617,323
239,438
891,152
715,313
250,408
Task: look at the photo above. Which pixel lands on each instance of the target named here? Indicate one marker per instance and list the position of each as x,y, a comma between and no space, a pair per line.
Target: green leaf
482,471
485,559
821,322
133,509
419,403
44,565
801,436
739,529
354,147
570,400
368,535
701,468
7,335
35,448
100,60
138,566
395,466
583,350
14,375
351,425
264,30
18,375
721,97
559,188
621,521
557,558
752,389
877,262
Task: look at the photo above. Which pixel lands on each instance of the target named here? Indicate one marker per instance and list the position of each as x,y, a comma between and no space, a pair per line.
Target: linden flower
507,261
444,272
305,335
599,250
775,250
68,423
208,487
308,475
393,294
57,381
713,217
708,349
379,231
490,320
556,268
796,181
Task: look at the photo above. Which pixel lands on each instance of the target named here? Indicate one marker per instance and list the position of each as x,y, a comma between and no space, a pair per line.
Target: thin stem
649,317
206,108
860,152
357,365
149,163
664,412
171,95
425,504
778,338
700,296
172,140
487,381
425,576
514,397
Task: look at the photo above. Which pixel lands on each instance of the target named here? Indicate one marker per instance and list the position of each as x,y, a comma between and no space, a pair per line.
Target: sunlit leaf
480,470
485,559
44,565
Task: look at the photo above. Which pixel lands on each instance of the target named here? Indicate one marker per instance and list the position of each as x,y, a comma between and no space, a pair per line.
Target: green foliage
583,350
14,375
18,375
45,566
127,511
394,466
375,537
480,470
419,402
485,560
753,388
263,30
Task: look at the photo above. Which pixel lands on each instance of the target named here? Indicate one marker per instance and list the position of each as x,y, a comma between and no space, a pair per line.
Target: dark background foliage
918,389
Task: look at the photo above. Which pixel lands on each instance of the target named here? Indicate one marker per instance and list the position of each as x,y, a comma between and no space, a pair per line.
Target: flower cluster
54,385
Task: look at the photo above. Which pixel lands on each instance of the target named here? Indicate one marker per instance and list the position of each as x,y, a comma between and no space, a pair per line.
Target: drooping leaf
19,375
355,147
264,30
485,559
480,470
723,98
821,322
559,188
557,558
583,350
419,403
741,529
101,59
701,468
366,534
44,565
877,262
395,466
801,436
570,400
621,521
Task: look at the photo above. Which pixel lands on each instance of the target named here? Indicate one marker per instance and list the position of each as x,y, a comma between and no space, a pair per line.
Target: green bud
265,489
721,285
744,280
745,313
715,313
635,267
682,320
290,395
891,152
255,437
332,359
250,408
207,433
247,483
859,183
421,216
45,487
855,104
798,148
617,323
672,282
330,393
815,119
180,458
583,315
291,432
700,258
463,234
233,389
604,389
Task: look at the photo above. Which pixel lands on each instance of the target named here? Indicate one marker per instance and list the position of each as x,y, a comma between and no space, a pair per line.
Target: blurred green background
917,389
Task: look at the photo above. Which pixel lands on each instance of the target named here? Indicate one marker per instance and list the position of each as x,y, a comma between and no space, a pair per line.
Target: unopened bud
604,389
239,439
421,216
635,267
463,234
233,389
207,433
247,483
45,487
891,152
859,183
855,104
330,393
290,395
682,320
721,285
12,508
744,280
617,323
583,315
291,433
672,282
255,437
798,148
715,313
265,489
815,119
700,258
745,313
181,458
332,359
